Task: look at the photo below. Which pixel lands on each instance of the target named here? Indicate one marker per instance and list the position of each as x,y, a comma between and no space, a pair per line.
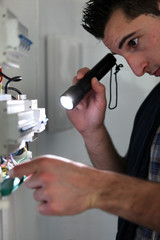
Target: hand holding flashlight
76,93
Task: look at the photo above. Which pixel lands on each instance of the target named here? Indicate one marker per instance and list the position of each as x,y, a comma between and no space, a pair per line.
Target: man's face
138,41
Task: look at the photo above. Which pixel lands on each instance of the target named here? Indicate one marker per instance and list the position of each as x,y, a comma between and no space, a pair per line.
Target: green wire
9,185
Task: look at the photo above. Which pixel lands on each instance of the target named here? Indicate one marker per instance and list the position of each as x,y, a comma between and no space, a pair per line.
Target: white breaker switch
14,39
20,121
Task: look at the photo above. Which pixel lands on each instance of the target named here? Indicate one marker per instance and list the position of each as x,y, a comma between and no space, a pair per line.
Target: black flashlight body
78,91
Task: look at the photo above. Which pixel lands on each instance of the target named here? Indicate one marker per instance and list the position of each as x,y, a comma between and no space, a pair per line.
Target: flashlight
70,98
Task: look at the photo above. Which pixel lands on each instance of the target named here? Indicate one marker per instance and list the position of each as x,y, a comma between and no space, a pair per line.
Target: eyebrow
124,39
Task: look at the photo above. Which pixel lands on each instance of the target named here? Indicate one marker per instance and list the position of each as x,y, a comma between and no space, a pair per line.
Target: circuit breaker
21,121
14,41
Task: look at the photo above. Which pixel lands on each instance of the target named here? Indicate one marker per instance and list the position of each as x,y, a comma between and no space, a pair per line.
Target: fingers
45,209
96,85
99,89
33,181
29,168
37,165
22,169
39,195
80,74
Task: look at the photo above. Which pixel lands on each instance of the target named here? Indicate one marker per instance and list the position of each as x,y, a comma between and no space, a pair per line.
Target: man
132,30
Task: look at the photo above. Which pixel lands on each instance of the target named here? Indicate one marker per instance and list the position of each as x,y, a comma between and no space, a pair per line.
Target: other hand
90,112
62,187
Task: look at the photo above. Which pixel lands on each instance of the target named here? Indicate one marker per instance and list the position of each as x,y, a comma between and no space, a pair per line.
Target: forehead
120,26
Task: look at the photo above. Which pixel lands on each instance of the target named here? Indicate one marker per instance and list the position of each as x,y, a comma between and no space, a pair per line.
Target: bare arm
102,152
130,198
88,119
51,177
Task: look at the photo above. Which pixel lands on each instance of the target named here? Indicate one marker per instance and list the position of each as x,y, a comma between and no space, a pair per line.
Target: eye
133,43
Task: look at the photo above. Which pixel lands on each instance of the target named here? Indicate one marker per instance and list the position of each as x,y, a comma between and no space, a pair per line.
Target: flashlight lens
67,102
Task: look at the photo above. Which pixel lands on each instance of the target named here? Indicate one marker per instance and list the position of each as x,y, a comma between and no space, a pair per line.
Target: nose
138,64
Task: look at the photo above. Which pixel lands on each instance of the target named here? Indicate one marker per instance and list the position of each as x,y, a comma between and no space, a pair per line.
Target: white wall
64,16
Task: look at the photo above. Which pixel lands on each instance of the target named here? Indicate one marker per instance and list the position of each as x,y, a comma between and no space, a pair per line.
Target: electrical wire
26,153
4,166
1,79
12,160
1,76
13,89
7,163
27,145
13,79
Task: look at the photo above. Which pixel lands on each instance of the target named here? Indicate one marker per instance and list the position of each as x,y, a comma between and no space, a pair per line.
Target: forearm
102,152
130,198
87,188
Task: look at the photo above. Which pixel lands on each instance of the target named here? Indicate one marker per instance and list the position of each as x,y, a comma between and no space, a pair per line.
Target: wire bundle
13,79
7,163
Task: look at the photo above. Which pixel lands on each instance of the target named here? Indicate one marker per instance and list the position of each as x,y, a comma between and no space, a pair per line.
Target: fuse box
21,120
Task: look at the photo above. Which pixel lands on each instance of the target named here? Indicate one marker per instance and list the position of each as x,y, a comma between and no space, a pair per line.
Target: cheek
154,40
153,50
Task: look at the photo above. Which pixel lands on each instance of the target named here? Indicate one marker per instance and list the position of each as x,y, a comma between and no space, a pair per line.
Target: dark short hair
97,13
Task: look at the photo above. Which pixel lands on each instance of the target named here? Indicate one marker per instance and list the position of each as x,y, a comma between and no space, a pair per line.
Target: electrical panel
21,120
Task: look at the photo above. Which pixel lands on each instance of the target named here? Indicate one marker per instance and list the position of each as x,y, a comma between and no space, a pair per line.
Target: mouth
157,73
